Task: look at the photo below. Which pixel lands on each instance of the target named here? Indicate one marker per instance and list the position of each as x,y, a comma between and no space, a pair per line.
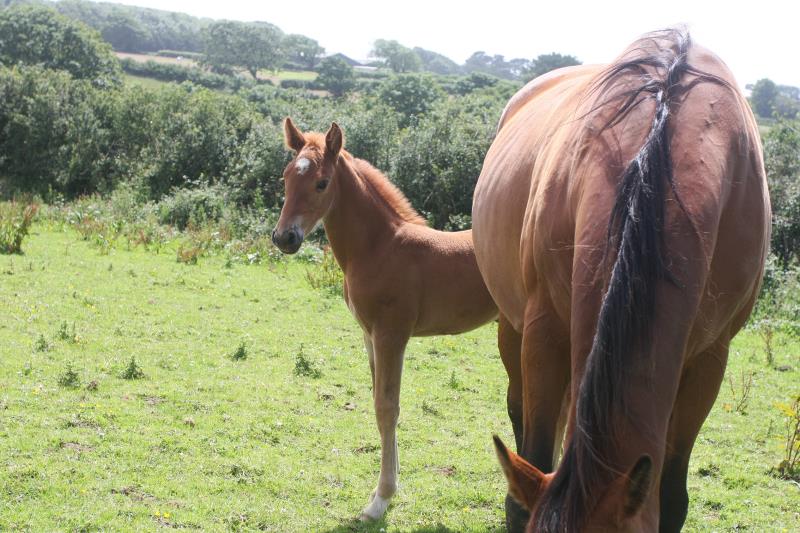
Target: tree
40,36
544,63
124,32
436,63
254,46
336,76
303,50
411,95
495,65
396,56
121,25
763,97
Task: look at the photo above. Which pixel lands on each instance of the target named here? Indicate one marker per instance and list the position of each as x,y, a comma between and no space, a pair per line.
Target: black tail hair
635,232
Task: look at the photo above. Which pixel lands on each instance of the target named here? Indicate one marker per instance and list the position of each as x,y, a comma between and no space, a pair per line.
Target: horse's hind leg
509,342
388,351
545,372
698,389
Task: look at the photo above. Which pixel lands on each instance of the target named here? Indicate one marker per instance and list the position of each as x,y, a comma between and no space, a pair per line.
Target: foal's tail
627,311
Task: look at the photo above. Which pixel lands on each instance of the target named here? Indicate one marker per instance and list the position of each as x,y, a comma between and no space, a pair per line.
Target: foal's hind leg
389,348
698,389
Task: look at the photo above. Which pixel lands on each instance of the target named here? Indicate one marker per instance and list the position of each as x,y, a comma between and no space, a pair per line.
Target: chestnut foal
401,278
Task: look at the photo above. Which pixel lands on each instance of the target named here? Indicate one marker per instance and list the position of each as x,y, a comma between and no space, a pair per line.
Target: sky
757,40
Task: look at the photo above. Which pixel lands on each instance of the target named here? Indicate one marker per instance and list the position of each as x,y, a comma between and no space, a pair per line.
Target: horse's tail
628,306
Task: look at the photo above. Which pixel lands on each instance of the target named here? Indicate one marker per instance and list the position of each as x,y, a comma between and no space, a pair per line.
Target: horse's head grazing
618,509
307,177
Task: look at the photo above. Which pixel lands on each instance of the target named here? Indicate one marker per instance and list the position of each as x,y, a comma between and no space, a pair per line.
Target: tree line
260,45
69,127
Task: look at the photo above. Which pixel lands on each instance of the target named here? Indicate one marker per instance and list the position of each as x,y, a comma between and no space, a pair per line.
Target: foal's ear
525,482
334,140
294,139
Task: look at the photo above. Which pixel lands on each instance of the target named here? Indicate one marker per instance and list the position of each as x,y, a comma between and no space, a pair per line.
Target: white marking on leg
302,165
388,358
376,508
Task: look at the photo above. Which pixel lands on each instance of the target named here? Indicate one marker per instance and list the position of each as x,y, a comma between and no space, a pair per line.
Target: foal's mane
387,191
380,187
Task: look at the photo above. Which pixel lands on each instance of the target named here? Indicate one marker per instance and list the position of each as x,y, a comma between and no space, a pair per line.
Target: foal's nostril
275,236
291,238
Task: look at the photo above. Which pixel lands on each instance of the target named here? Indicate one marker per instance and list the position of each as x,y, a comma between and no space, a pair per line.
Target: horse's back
534,118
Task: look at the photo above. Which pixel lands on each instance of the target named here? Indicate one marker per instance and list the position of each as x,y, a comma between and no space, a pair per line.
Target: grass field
143,58
208,441
143,81
274,77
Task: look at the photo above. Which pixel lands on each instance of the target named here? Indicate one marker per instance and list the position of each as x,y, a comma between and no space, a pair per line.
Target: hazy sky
757,39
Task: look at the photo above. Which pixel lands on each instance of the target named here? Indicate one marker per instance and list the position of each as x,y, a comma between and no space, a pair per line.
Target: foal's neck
359,219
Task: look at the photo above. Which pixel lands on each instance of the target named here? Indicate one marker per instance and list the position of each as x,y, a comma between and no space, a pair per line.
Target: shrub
256,166
789,468
240,353
197,132
303,366
53,133
778,305
65,333
132,370
180,74
41,344
15,222
438,162
69,379
195,56
189,254
326,276
293,84
192,207
782,161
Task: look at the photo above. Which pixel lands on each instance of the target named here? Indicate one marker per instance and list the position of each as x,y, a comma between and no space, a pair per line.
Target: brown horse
401,278
621,223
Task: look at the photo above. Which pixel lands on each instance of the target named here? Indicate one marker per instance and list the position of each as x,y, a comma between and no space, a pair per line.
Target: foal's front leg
388,349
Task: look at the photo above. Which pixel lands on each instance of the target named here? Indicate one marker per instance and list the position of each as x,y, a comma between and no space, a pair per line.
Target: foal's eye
321,185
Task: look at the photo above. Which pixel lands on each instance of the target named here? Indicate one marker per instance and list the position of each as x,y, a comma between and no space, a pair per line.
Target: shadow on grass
357,526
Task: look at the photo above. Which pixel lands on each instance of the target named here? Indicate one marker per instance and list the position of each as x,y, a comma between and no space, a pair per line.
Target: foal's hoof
376,508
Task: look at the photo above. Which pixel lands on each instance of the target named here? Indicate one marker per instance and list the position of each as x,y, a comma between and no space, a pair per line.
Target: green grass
302,75
143,81
209,441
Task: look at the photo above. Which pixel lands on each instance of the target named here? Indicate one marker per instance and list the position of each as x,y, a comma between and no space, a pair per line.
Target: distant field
206,442
302,75
143,58
274,77
142,81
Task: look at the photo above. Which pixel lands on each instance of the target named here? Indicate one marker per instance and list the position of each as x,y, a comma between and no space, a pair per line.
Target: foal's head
306,181
618,510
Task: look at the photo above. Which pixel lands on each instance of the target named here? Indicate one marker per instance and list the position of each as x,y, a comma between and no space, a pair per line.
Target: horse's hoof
375,510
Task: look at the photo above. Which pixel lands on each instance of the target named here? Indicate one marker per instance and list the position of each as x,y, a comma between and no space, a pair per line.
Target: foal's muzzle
288,241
